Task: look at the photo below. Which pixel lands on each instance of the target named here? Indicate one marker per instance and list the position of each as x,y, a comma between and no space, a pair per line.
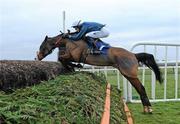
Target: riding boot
94,50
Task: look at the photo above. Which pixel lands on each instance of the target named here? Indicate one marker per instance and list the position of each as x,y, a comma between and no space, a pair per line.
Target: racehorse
125,61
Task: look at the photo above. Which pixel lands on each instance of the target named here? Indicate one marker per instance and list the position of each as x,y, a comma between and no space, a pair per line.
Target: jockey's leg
94,36
103,33
98,34
91,42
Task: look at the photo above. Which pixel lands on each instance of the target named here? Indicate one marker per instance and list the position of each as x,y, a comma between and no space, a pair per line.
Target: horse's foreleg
142,92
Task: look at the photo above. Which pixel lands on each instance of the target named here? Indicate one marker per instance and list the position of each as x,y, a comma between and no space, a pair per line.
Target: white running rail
175,51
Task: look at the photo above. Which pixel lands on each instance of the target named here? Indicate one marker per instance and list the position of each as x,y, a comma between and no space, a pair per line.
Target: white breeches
98,34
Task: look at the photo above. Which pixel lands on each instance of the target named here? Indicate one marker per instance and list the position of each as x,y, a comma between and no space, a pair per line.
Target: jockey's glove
65,35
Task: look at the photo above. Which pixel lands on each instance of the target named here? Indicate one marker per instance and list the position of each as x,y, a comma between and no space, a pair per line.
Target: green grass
164,112
76,98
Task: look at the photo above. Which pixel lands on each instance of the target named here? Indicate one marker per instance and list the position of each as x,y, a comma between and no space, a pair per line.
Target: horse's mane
60,35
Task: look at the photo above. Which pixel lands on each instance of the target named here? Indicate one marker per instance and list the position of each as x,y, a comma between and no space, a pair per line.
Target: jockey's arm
71,33
78,36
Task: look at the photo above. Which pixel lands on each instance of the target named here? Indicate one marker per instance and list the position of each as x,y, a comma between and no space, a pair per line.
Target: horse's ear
46,37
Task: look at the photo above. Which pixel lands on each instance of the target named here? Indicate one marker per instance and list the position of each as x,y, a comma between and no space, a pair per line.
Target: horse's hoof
148,110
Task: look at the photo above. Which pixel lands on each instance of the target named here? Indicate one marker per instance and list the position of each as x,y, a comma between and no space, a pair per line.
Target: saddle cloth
102,46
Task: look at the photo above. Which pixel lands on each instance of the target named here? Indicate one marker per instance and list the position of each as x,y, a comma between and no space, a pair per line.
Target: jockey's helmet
76,24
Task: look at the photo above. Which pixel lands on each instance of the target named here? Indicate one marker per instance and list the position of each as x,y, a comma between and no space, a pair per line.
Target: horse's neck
76,49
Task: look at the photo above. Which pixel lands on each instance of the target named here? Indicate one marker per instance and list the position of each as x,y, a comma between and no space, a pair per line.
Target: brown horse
126,62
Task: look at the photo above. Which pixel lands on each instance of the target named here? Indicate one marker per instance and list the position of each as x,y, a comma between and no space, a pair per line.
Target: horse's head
49,44
46,48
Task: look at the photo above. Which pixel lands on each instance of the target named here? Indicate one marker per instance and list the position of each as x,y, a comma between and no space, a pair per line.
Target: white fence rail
165,65
174,52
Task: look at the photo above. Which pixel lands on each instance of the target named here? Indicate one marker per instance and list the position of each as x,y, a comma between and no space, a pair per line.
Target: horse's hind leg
142,92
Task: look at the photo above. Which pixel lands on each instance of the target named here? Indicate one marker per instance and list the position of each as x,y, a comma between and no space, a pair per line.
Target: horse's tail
148,60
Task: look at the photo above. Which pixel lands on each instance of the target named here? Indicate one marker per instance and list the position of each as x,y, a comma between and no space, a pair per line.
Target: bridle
57,43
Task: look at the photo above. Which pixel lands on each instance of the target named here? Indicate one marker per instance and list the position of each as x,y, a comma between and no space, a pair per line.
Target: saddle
96,45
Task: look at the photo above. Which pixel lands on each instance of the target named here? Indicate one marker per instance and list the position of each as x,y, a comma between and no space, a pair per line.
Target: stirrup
95,52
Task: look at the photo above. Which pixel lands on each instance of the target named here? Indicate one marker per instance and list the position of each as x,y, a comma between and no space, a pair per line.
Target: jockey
92,31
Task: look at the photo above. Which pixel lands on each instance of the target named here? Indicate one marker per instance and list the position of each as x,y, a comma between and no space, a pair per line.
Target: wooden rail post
106,115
